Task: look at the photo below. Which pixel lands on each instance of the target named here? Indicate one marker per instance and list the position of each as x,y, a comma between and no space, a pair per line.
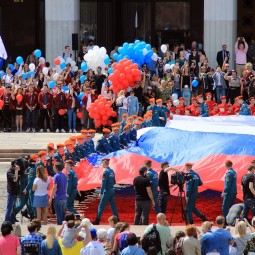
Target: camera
179,179
22,162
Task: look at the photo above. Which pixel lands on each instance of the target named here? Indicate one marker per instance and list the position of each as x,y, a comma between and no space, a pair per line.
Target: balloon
61,112
114,114
81,104
80,96
167,67
31,73
1,103
79,115
31,66
19,60
145,51
194,83
82,78
109,123
1,91
176,102
154,57
24,76
163,48
38,53
57,61
65,88
19,98
42,60
69,60
110,71
11,66
45,70
52,84
55,76
174,96
62,65
75,68
84,66
107,60
73,63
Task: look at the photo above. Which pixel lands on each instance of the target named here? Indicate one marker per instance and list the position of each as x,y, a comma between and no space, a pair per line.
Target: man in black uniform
248,182
143,197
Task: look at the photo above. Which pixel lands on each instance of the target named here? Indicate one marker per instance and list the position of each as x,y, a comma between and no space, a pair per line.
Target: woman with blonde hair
40,187
122,104
50,245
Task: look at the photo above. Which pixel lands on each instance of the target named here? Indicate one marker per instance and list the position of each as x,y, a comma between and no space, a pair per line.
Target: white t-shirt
110,233
93,248
41,189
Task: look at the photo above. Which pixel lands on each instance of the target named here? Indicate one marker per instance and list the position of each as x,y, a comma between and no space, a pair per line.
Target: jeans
142,208
249,204
140,110
155,197
121,111
219,93
30,118
71,118
9,215
163,199
60,210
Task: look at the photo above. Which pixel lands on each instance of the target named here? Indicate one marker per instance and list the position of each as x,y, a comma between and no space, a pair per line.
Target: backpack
123,241
178,248
152,239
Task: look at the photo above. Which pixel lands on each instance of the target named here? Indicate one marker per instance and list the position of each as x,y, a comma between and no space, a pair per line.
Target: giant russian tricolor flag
207,142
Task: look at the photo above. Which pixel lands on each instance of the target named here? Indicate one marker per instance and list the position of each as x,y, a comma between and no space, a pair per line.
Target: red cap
68,143
80,137
223,97
92,131
124,115
60,145
41,153
72,138
84,131
69,161
106,131
152,100
188,164
105,159
51,146
159,101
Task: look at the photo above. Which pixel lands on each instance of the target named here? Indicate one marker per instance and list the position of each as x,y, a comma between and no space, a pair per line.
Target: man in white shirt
93,247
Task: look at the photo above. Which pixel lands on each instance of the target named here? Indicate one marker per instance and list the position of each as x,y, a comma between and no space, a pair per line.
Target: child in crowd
82,233
186,95
113,220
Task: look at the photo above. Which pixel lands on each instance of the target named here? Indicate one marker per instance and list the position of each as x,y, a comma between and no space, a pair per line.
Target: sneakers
41,131
74,131
70,130
48,131
28,130
57,130
63,131
17,130
33,130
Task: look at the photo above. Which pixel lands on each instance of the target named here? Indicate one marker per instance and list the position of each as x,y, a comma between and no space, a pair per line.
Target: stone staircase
7,155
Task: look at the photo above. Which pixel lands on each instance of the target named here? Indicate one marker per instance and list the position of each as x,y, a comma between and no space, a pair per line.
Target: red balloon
98,123
127,69
61,112
138,78
114,114
79,115
109,122
92,115
122,76
102,112
1,91
101,105
125,83
104,122
107,106
97,116
100,97
96,102
19,98
95,109
1,103
57,61
105,117
109,113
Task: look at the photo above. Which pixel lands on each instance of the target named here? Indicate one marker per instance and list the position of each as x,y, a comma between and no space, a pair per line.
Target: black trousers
58,120
44,114
232,94
7,117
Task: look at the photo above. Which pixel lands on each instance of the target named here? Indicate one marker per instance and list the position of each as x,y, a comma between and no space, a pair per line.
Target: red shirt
223,109
210,104
60,100
31,99
41,100
9,245
213,113
252,107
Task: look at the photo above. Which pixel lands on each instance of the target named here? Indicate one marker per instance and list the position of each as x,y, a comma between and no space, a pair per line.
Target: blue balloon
52,84
137,41
194,83
31,73
125,45
107,60
38,53
81,103
19,60
24,76
82,78
148,47
115,56
84,66
80,96
62,65
11,66
110,71
65,88
150,53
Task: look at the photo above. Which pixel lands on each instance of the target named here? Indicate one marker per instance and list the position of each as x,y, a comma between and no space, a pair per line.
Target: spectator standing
113,220
31,98
133,105
143,197
67,53
9,244
59,193
191,245
219,84
223,235
241,48
81,55
132,246
223,56
122,104
40,187
120,238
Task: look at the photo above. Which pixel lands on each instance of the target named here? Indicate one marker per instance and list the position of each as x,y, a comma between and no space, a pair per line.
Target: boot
203,218
96,222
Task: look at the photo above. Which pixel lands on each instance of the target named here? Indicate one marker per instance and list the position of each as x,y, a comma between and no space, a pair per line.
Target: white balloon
174,97
163,48
95,48
62,60
102,51
172,66
176,102
31,67
154,57
73,63
45,70
86,57
69,60
167,67
75,68
42,60
145,51
55,76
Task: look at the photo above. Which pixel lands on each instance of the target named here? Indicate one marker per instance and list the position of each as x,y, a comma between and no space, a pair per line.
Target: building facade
49,24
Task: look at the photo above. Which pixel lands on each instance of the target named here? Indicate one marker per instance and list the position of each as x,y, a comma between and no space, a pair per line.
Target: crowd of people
181,81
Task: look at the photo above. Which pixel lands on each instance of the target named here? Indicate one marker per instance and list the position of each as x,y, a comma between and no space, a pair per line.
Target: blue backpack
123,241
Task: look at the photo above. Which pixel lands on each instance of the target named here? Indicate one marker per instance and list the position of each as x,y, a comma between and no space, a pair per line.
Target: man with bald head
164,231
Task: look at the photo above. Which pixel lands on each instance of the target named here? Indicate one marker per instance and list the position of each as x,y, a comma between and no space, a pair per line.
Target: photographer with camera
12,191
241,48
193,180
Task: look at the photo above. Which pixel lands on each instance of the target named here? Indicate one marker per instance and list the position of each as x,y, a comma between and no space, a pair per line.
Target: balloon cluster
101,111
138,52
96,57
125,74
61,64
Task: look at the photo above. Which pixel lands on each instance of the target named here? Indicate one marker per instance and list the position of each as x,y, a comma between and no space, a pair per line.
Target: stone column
62,19
220,26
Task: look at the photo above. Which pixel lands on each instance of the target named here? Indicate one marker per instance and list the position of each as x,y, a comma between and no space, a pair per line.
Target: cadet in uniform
58,155
165,111
107,191
80,148
42,159
153,177
72,183
114,139
92,132
133,132
50,160
103,147
73,140
69,151
245,109
124,138
157,113
229,193
204,110
123,122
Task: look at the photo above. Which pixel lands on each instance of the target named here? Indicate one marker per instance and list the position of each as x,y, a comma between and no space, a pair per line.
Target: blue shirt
56,249
114,142
153,176
193,183
209,242
245,109
72,181
108,180
61,180
30,238
230,182
225,237
204,110
132,249
103,146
